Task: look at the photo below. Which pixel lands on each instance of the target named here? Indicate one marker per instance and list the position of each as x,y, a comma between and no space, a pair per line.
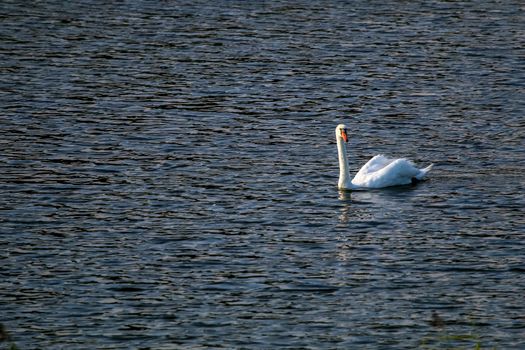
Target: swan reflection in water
375,206
364,217
355,217
347,209
358,206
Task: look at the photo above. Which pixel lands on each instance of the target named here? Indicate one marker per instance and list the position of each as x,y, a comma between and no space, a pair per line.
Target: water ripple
168,175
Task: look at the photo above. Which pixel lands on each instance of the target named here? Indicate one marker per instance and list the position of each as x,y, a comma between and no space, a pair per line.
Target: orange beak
344,135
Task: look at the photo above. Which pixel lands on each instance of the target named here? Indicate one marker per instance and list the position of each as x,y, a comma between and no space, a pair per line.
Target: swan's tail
423,172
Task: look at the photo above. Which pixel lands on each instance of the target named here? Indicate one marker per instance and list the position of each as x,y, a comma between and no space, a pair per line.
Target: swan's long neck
344,172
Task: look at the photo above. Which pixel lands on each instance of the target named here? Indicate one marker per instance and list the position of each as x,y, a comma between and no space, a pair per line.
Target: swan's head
340,132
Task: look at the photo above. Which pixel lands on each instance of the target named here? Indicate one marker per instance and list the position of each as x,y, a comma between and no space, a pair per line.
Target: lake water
168,175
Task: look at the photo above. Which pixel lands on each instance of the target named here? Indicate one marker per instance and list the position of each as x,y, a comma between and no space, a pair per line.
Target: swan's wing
399,172
383,172
376,163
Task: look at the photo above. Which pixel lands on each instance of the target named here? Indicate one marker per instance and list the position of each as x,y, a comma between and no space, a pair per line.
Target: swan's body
378,172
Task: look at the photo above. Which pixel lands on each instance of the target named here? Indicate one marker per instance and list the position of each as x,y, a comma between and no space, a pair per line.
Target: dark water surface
168,175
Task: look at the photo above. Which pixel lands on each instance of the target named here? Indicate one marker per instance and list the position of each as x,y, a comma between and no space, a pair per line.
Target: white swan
378,172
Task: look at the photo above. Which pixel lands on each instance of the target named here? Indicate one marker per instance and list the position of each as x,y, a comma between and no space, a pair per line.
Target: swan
378,172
